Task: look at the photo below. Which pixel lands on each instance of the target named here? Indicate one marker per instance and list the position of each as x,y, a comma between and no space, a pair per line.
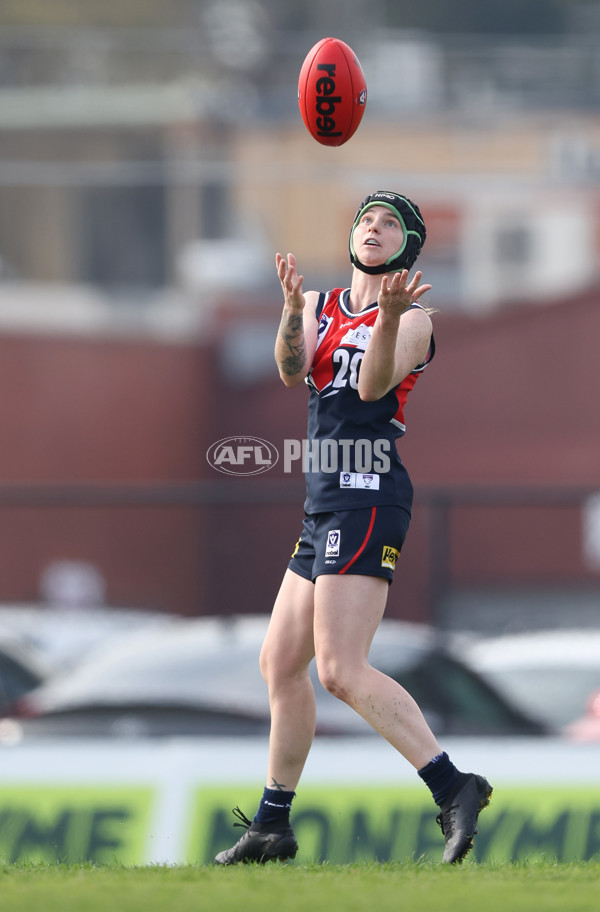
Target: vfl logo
326,101
242,455
333,543
324,324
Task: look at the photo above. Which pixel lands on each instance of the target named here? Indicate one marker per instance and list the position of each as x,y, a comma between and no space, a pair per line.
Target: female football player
360,350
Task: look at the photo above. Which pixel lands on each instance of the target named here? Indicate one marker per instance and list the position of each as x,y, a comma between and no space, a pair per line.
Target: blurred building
131,154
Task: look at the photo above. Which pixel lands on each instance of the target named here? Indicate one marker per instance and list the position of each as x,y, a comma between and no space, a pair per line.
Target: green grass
422,887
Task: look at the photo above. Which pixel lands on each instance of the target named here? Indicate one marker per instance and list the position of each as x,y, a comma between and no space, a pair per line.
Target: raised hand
291,282
398,292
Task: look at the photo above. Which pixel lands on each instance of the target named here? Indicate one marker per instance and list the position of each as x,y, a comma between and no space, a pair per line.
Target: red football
332,92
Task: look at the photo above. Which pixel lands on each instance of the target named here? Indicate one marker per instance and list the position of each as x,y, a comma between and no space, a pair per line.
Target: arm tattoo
291,331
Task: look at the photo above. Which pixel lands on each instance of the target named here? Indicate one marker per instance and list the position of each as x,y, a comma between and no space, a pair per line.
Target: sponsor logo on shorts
389,557
332,548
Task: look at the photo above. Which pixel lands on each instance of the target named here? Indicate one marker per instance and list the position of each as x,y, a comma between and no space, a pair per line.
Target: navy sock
274,806
440,776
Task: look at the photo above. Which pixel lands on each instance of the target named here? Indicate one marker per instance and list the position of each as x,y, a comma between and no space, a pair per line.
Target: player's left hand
398,292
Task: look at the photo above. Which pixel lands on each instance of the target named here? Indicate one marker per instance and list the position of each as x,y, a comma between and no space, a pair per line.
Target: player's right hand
291,282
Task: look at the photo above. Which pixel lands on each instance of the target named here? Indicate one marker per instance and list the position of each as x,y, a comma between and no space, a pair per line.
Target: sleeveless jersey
351,458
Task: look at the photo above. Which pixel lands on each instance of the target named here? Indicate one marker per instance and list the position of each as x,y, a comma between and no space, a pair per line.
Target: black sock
440,775
274,806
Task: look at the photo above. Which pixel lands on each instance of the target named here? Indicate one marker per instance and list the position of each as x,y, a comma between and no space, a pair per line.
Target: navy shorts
366,541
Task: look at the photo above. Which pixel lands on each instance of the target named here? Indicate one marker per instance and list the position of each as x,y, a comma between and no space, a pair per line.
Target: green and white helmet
413,227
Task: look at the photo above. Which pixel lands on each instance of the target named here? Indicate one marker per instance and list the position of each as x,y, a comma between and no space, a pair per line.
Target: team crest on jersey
389,557
358,337
332,548
324,324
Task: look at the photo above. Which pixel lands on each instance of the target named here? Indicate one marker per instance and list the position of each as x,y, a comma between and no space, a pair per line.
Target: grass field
422,887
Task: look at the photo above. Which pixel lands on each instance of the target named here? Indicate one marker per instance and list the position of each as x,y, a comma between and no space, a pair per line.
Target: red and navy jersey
352,460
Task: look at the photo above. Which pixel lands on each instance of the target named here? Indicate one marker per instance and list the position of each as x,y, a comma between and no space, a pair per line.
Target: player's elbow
290,380
368,395
370,392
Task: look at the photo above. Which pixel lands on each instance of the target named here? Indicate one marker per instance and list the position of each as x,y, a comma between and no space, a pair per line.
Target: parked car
22,669
197,677
62,635
553,675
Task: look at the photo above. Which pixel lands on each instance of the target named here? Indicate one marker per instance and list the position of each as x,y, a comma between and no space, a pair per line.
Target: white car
201,676
553,675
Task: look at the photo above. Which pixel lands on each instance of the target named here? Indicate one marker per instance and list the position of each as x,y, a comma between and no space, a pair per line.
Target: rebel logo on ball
327,101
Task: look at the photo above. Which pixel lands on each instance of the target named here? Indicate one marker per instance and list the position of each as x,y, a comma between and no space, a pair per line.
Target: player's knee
335,680
263,664
270,665
279,667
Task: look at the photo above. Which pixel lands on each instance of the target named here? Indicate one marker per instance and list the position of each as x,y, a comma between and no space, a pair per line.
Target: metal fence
483,558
